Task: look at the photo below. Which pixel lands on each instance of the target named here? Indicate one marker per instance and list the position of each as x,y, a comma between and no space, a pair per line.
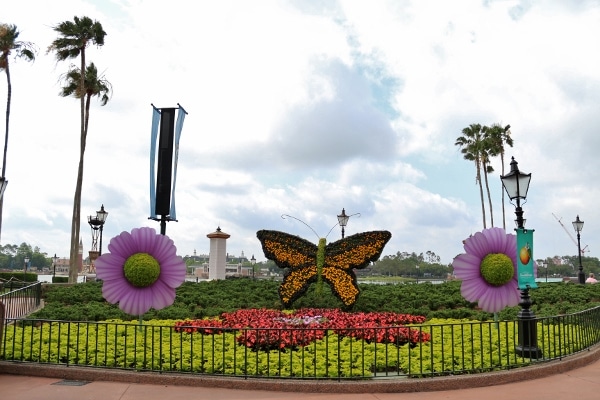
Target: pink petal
122,244
114,290
467,266
473,289
163,296
173,273
137,301
476,245
109,266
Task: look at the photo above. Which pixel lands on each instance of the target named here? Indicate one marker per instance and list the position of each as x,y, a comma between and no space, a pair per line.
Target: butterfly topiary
334,262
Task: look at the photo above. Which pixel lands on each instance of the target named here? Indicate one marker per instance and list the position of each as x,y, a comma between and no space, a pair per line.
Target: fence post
2,318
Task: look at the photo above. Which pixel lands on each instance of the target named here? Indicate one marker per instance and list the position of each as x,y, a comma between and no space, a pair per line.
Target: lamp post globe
516,184
97,224
343,220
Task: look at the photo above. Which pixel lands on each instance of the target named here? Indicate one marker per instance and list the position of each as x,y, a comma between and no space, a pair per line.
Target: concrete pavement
576,377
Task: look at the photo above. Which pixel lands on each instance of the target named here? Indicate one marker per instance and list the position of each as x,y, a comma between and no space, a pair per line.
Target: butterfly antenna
298,219
331,230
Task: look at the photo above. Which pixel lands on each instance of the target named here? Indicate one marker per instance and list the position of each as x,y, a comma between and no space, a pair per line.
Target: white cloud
303,108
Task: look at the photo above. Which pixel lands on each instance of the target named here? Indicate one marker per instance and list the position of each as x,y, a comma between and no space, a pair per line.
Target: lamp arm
351,215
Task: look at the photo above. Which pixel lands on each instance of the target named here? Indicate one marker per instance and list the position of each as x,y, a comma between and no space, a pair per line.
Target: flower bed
268,327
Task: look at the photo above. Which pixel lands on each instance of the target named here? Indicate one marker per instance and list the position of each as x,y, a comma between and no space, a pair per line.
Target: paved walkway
581,384
574,377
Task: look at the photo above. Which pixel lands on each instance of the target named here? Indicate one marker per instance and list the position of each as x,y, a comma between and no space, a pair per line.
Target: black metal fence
20,298
463,347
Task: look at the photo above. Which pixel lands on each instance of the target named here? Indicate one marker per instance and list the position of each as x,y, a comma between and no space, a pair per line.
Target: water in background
48,278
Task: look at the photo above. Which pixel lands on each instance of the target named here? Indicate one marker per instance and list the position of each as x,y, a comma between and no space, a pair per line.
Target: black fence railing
20,298
464,347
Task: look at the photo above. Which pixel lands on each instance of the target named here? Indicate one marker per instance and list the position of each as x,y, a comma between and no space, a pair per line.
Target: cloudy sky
307,107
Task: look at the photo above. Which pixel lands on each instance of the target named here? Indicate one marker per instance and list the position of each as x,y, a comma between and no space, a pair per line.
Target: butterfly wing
342,256
298,255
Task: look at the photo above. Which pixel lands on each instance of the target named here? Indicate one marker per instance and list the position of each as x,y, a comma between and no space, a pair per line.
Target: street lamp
578,225
545,265
516,184
417,273
26,262
97,225
253,263
55,260
343,220
101,216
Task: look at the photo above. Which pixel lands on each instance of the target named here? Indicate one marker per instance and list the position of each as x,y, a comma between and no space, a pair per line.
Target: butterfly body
333,262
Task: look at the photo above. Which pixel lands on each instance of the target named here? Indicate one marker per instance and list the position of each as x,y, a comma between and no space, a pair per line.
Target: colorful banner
526,276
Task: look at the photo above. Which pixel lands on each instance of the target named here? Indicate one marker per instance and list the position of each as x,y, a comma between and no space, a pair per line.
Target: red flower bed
270,329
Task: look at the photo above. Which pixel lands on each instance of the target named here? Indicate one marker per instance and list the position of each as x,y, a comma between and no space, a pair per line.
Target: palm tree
486,153
471,145
496,137
9,44
95,86
74,37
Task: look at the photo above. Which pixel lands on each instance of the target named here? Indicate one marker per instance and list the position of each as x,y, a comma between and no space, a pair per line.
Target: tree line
403,264
82,82
12,257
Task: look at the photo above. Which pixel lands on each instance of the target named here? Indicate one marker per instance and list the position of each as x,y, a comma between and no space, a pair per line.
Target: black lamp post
545,265
54,260
516,184
26,262
101,216
343,220
578,225
97,225
417,273
253,263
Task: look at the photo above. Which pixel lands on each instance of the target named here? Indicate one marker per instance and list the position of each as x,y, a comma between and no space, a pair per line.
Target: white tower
218,254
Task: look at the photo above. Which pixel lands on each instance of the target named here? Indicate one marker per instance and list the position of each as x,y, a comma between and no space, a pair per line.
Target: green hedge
21,276
84,301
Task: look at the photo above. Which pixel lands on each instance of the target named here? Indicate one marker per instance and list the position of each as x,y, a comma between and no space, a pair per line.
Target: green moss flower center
141,270
497,269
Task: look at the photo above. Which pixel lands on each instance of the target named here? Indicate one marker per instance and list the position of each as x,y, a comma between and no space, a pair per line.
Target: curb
382,385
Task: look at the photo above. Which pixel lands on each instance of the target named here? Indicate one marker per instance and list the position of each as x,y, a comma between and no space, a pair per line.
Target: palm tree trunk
481,192
8,100
76,221
487,187
503,211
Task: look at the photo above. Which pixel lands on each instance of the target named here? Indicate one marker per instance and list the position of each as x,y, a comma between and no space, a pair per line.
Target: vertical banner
153,137
178,128
164,141
525,271
164,170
